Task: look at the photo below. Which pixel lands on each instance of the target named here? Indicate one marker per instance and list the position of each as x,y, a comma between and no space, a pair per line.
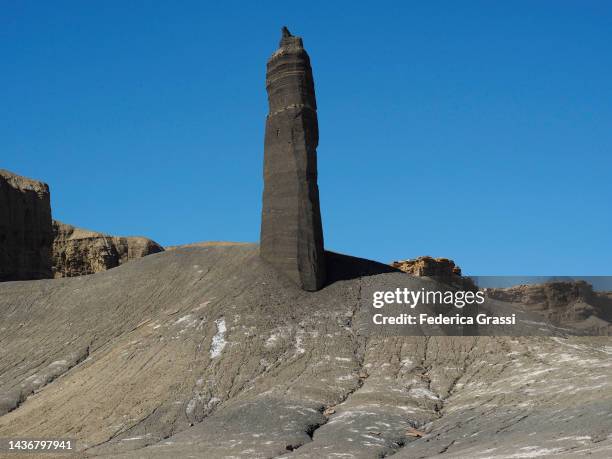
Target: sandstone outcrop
441,269
566,302
291,229
429,267
77,252
25,228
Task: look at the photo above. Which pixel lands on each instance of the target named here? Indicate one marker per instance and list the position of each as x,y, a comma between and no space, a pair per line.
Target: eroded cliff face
428,266
77,252
565,302
442,269
25,228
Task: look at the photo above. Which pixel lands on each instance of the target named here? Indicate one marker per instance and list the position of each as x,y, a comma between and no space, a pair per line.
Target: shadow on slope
345,267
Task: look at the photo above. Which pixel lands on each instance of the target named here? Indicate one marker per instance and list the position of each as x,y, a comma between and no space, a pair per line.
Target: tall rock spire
291,230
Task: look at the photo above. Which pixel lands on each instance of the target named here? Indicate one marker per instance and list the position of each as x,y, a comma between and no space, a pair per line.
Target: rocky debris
573,303
26,234
329,411
442,269
77,252
288,382
412,432
291,229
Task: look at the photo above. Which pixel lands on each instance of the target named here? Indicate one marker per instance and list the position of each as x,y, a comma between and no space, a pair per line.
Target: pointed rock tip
289,41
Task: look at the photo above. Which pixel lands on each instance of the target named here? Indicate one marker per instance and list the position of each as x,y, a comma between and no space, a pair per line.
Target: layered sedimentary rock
565,302
25,228
291,230
428,266
77,252
442,269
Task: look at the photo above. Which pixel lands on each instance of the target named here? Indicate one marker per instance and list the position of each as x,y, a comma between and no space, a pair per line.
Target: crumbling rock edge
25,228
79,252
33,246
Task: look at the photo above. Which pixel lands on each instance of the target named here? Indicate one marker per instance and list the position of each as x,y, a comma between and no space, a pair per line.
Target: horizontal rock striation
429,267
77,252
441,269
26,234
291,229
565,302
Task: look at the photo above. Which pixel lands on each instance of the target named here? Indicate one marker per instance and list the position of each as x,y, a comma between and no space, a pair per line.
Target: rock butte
33,246
291,229
77,252
26,234
442,269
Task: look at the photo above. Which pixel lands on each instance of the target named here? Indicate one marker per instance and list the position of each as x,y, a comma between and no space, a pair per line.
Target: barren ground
205,352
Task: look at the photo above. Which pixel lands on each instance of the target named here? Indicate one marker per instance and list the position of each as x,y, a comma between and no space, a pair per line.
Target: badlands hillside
207,352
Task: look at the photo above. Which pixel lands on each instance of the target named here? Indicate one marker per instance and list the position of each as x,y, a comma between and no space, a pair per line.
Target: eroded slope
206,352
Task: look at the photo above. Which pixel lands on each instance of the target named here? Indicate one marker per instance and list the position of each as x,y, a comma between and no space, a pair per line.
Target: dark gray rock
209,352
26,234
291,230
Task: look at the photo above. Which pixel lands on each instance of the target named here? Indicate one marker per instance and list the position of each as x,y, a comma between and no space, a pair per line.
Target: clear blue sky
478,131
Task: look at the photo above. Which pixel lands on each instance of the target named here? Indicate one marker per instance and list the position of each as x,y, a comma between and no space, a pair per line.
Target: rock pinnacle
291,229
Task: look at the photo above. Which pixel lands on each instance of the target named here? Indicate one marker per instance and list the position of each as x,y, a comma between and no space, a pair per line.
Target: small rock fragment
412,432
329,411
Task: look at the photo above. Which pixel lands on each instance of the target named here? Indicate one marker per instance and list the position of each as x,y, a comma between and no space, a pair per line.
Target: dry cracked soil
206,352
